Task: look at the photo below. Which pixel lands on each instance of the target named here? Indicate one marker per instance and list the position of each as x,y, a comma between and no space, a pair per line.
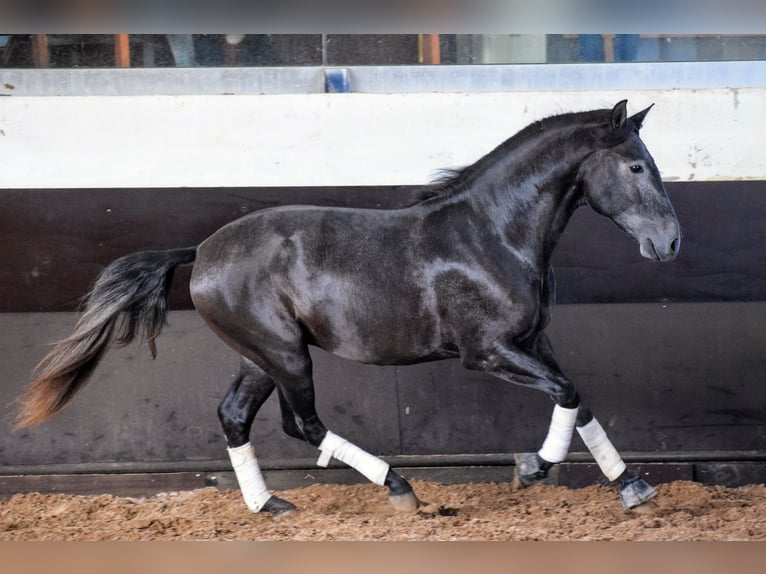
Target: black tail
129,296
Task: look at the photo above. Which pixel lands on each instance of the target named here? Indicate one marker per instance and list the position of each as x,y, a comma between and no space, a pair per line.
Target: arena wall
669,356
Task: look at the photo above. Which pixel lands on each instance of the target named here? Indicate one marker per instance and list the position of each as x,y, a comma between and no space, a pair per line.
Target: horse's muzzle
660,250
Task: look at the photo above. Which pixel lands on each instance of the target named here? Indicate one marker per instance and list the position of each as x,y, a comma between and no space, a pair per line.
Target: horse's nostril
675,245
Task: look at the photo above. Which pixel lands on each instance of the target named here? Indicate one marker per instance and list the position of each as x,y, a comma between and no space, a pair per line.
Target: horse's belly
373,331
389,354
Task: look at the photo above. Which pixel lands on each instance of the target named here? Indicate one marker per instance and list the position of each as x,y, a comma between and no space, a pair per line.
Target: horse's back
341,279
294,240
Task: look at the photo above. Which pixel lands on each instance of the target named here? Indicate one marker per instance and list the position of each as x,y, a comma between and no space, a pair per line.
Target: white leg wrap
369,465
249,476
607,457
556,444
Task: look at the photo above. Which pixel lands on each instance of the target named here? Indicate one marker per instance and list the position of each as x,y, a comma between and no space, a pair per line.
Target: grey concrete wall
662,378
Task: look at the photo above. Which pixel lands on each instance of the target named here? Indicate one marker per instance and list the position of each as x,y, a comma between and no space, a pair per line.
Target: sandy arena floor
683,511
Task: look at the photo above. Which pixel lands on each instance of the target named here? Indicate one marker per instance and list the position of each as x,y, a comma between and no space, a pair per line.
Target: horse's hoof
278,507
527,470
636,493
406,502
646,508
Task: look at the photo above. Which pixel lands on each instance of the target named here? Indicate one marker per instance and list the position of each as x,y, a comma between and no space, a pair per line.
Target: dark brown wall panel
722,258
54,242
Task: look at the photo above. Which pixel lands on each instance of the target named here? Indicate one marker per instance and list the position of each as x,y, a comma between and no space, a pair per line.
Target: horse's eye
637,168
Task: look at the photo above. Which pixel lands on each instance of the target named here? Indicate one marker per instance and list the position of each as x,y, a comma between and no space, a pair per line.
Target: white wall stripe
343,139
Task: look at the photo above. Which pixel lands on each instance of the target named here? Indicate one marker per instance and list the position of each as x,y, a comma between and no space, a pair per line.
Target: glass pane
256,50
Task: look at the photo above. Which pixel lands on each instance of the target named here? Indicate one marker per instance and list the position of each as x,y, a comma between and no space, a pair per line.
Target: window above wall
209,64
277,50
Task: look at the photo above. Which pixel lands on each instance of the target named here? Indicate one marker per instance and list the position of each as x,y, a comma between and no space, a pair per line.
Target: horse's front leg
537,367
634,491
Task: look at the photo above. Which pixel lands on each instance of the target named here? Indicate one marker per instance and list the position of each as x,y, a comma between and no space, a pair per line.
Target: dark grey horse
465,272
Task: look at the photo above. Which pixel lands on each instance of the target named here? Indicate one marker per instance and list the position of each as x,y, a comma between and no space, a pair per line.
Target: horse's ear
619,115
638,119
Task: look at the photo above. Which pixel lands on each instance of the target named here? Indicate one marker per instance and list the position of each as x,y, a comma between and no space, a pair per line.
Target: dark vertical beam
232,51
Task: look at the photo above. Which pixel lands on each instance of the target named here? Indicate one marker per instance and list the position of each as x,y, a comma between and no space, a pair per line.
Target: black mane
453,180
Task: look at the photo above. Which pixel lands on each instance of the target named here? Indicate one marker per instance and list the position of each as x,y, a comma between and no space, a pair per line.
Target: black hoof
407,502
529,469
400,493
635,493
278,507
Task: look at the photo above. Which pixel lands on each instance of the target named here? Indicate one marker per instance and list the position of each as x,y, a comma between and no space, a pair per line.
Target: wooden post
40,54
608,47
122,50
429,49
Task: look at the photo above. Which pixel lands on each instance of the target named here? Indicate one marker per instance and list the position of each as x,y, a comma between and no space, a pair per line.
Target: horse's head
621,181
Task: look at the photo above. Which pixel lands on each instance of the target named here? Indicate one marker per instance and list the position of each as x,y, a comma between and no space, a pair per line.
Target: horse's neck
529,200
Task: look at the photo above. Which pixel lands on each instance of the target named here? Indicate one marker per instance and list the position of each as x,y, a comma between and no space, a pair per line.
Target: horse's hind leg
300,420
236,412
